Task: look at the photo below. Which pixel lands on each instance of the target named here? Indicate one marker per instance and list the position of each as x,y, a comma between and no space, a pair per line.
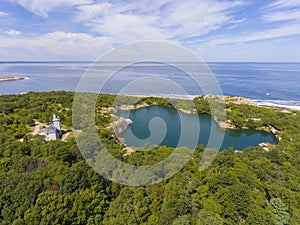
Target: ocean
274,84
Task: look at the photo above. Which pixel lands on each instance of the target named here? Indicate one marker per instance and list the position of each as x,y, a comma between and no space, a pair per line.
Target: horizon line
91,61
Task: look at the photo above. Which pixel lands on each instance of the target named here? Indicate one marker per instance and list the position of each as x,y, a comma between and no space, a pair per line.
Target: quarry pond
158,125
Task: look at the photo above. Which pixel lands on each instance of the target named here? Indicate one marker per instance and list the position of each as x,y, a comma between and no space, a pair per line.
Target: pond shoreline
226,125
222,124
141,120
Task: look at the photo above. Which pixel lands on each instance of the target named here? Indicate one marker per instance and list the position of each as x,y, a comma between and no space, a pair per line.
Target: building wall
51,137
56,123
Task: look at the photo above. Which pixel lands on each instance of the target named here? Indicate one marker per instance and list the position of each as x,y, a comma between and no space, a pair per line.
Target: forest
51,183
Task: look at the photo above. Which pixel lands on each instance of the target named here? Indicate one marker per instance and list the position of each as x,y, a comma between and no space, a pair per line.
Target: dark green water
164,126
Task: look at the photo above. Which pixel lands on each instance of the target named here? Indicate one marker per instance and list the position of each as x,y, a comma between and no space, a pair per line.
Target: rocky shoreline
122,124
118,127
221,124
226,99
3,79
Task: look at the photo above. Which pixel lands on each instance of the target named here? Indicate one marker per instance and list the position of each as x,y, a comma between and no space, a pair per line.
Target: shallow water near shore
149,123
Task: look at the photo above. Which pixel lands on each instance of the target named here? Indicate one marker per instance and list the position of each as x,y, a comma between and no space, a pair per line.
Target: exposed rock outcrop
130,107
121,125
232,99
225,124
128,150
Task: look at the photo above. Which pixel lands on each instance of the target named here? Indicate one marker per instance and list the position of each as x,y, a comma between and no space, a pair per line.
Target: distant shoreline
236,99
3,79
267,104
227,99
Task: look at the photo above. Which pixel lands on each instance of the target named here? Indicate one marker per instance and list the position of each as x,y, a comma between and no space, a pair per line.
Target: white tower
56,122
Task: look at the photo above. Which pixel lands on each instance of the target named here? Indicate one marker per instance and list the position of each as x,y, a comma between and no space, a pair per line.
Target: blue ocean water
268,83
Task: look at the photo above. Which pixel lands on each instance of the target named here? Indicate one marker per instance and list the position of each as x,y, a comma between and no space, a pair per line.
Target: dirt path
65,136
37,127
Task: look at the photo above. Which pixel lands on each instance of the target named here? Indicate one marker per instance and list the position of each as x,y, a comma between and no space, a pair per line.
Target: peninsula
3,79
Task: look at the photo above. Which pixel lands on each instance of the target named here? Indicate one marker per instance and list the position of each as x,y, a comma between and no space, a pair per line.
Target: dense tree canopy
50,182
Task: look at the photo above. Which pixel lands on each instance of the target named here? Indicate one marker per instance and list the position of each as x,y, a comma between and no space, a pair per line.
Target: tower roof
55,118
51,129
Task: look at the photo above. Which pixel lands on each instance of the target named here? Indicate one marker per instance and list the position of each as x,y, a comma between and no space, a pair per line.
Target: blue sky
216,30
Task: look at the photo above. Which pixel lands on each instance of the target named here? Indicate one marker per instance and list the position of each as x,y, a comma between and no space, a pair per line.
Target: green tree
280,210
209,218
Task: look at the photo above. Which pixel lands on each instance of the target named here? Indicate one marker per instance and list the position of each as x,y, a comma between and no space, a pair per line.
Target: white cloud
282,16
284,31
280,4
159,20
280,10
3,13
54,46
194,18
87,12
43,7
13,32
119,22
127,28
125,21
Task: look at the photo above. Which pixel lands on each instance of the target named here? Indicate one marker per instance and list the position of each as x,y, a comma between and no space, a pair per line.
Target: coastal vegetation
51,183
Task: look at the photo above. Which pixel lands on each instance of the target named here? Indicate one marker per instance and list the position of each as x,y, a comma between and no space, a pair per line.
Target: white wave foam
26,78
174,96
295,105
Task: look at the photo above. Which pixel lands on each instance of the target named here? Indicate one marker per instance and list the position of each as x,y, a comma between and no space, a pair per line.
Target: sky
215,30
